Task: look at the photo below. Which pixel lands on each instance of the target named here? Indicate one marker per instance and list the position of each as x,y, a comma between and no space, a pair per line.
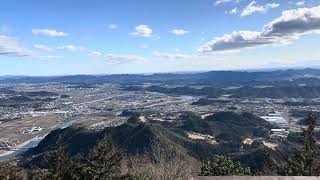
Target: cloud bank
289,26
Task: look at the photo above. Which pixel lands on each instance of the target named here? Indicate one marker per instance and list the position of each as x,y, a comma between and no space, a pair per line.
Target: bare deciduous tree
162,162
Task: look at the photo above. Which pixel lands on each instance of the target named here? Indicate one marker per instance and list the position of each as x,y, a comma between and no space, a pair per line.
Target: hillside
228,127
137,138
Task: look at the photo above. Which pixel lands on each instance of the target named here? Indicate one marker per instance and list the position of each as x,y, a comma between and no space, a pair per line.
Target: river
23,147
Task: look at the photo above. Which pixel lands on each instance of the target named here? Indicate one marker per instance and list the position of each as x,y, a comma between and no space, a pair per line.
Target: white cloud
219,2
179,32
288,27
95,53
43,47
72,48
233,11
235,40
171,56
121,59
112,26
253,7
142,31
47,57
294,22
52,57
10,47
300,3
49,32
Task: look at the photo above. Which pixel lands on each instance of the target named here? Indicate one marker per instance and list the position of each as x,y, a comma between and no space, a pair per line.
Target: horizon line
171,72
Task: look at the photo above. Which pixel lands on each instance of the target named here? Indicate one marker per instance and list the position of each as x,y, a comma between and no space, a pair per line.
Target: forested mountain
228,128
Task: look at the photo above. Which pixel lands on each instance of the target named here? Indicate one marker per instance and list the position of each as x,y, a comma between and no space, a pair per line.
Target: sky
63,37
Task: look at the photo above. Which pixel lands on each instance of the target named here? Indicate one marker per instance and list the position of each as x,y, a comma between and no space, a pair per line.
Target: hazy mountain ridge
203,77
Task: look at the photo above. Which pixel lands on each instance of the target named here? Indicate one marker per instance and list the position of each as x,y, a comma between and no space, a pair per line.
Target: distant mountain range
191,78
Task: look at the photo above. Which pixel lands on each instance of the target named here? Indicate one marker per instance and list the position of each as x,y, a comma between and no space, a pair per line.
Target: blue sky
61,37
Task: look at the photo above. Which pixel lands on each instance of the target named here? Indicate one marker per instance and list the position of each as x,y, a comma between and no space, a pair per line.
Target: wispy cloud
43,47
123,58
72,48
233,11
300,3
112,26
95,53
49,32
10,47
253,7
51,57
170,56
179,32
69,48
219,2
289,26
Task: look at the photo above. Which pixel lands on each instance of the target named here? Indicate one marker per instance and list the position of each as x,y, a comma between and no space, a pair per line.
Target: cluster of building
158,107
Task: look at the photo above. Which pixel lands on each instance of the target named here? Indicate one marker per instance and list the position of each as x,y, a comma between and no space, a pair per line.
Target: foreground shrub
9,172
223,166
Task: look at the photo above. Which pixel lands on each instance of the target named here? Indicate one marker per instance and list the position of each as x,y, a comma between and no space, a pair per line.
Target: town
29,112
